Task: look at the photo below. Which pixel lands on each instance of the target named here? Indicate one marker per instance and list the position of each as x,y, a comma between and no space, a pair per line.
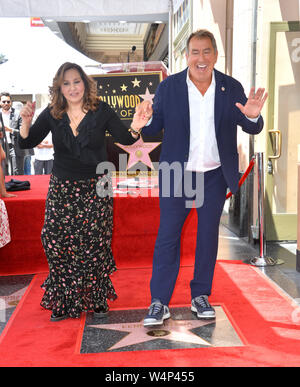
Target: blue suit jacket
171,113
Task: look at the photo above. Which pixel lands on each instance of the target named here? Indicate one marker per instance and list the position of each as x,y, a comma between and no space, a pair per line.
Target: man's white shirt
203,154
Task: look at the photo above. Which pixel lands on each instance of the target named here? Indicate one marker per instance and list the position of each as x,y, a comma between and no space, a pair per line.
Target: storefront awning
77,10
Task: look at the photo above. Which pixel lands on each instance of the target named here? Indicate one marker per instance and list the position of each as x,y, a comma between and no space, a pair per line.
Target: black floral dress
77,231
77,241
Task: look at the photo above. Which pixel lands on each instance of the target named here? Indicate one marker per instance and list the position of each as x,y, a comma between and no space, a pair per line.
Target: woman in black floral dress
77,232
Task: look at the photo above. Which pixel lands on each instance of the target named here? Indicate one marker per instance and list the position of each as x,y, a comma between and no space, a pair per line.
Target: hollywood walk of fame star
172,330
136,83
139,151
147,96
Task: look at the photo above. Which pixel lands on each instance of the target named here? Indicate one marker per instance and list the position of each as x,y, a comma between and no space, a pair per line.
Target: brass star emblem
136,83
124,87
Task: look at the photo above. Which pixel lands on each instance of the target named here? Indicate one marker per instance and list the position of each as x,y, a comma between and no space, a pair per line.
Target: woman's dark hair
58,104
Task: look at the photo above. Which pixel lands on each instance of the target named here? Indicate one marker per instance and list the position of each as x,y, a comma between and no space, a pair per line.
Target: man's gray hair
201,34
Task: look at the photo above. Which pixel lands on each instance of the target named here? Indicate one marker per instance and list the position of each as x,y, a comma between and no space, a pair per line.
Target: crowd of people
19,161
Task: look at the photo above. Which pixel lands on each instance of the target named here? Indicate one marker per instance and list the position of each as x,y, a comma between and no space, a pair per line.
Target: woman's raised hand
27,113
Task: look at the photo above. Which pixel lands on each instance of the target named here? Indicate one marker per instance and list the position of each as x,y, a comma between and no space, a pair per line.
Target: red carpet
136,221
260,313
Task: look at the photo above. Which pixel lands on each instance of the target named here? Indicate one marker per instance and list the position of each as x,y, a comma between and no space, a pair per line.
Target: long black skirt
76,237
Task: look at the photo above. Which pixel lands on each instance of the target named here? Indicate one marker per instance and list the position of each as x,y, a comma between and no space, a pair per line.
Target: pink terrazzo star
139,152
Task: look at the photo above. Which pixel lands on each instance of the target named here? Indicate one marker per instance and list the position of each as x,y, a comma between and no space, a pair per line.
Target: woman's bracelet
134,131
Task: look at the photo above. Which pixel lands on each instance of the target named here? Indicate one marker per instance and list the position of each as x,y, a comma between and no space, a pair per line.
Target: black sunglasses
5,101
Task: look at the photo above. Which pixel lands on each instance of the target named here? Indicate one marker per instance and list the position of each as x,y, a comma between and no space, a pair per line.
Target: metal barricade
262,260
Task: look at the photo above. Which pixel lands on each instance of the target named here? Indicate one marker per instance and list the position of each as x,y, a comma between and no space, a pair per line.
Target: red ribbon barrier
245,175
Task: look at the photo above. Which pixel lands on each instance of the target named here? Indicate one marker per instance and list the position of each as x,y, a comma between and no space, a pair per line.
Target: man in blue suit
199,110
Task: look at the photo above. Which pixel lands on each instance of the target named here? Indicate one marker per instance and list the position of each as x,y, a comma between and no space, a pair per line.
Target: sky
15,31
34,55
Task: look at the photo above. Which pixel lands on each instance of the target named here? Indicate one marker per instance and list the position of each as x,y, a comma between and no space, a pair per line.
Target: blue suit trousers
173,213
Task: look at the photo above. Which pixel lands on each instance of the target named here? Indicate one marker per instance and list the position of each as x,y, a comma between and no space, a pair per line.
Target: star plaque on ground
123,330
172,330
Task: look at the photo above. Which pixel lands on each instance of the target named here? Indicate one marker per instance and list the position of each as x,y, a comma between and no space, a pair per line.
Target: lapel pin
223,88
